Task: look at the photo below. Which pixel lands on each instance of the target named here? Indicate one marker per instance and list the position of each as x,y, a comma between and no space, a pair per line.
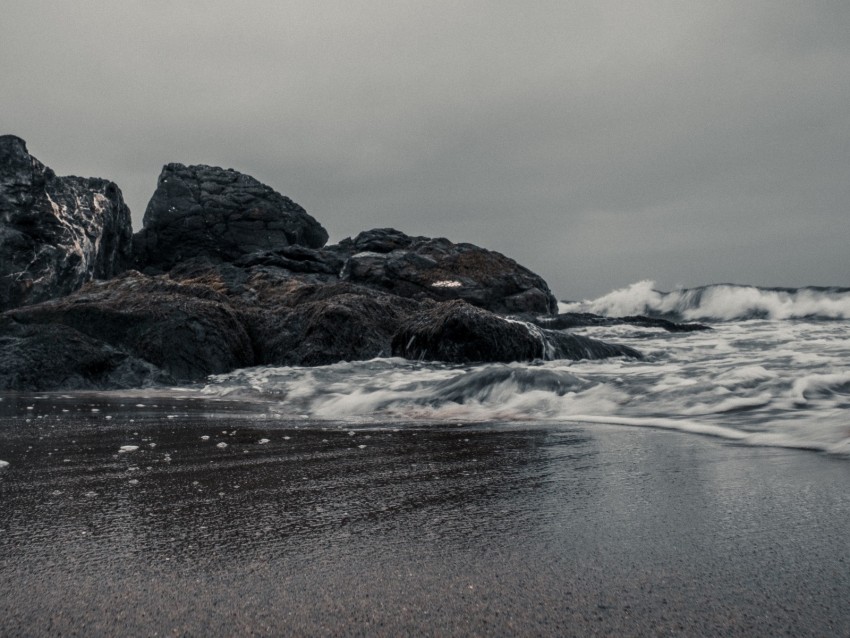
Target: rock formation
220,214
235,274
56,233
420,268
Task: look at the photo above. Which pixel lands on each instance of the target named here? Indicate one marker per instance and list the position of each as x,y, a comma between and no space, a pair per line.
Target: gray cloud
597,142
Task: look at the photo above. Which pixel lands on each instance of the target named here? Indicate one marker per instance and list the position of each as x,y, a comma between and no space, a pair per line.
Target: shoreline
425,530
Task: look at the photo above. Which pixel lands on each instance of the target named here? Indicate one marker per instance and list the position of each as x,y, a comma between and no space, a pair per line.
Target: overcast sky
597,142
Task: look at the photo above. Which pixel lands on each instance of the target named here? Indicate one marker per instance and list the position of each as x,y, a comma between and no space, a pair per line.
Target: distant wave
719,302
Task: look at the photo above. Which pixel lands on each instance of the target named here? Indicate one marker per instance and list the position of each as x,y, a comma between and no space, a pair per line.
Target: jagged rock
458,332
56,233
220,214
299,319
187,331
423,268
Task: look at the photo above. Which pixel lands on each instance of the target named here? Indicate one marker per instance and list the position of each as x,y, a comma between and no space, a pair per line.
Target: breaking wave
768,382
719,302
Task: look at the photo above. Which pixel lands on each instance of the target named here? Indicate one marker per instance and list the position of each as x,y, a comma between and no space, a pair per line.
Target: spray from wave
719,302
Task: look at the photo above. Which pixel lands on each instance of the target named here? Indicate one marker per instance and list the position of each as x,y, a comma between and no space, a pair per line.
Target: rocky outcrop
387,260
56,233
220,214
237,275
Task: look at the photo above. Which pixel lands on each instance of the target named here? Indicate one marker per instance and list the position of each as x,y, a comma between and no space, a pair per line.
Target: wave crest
719,302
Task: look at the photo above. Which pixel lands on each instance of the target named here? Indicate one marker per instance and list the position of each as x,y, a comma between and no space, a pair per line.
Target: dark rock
458,332
56,233
220,214
423,268
297,259
580,319
301,319
330,323
383,240
38,357
187,331
562,345
137,329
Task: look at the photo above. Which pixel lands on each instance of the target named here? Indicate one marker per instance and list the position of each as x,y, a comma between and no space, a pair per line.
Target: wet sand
445,530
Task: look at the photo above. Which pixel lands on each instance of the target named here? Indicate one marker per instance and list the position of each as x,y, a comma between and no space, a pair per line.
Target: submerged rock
460,333
568,320
56,233
220,214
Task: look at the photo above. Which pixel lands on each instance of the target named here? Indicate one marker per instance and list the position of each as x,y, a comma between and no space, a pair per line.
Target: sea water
774,369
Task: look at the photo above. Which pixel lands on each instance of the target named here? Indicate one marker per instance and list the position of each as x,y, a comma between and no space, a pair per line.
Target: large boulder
424,268
220,214
56,233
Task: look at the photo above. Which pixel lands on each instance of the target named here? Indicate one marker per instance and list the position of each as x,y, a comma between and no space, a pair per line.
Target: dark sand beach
487,529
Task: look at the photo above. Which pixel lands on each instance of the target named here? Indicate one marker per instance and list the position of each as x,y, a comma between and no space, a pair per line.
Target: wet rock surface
56,233
459,332
568,320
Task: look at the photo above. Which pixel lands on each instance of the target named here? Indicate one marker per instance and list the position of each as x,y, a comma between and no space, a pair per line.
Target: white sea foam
763,382
721,302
